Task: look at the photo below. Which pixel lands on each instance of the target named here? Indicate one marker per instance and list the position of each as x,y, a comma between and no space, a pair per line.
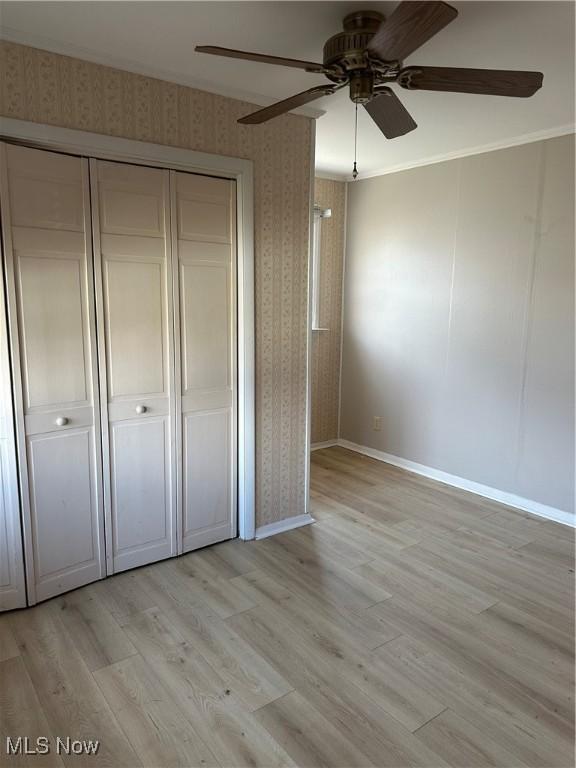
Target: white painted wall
459,318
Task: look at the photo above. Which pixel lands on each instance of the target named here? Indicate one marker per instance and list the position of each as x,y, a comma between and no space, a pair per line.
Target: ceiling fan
368,55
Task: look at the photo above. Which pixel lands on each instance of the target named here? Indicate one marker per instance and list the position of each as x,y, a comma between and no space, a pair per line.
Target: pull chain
355,170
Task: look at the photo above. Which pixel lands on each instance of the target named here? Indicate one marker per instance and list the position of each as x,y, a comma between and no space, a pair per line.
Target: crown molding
41,42
330,176
527,138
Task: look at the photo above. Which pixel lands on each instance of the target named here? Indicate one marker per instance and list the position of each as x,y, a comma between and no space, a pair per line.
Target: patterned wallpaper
48,88
326,345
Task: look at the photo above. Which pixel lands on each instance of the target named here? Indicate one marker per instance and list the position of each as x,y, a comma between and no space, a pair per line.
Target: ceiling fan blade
263,58
281,107
389,114
409,27
495,82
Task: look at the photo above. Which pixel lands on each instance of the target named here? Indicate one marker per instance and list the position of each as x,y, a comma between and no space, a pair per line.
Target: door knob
141,409
61,421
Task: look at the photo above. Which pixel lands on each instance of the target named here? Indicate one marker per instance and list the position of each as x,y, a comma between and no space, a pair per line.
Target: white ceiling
158,39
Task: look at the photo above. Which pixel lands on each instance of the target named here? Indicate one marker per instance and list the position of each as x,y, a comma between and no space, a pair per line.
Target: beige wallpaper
325,354
48,88
459,321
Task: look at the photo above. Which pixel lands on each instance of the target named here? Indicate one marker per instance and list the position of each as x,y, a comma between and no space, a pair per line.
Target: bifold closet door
12,589
45,217
204,245
130,213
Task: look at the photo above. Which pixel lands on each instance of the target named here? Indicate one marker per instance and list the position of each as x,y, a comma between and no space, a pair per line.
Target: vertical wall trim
309,325
342,290
453,272
246,353
529,308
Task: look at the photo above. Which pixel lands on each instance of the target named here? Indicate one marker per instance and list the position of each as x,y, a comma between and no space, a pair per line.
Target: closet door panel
203,209
140,480
206,334
45,205
61,480
207,491
53,330
135,329
133,274
45,190
12,589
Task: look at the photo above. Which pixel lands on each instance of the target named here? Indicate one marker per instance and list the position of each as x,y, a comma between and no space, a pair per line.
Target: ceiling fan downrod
354,168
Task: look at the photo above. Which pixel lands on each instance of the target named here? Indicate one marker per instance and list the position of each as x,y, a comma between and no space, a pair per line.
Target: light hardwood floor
412,625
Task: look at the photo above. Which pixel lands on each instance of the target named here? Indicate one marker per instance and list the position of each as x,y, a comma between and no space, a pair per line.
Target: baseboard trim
510,499
263,531
325,444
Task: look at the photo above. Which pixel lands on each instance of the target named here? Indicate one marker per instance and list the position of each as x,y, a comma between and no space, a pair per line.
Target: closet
121,301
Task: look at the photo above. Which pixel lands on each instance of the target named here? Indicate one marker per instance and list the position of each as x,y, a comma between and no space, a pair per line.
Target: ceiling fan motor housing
346,54
347,49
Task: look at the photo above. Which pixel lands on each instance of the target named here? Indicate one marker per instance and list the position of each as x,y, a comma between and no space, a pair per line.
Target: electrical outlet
376,423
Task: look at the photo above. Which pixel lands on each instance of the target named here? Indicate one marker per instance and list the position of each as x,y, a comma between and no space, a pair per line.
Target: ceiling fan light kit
367,56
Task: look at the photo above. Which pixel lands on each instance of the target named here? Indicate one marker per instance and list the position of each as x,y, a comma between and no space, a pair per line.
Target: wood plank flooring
412,625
